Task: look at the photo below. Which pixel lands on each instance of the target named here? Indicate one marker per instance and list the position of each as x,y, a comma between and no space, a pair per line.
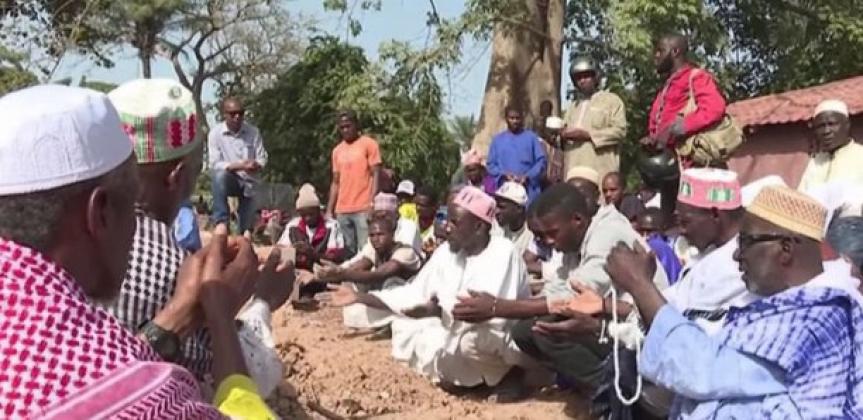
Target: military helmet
582,65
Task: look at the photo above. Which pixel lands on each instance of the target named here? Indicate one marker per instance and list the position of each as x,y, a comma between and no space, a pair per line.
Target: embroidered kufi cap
790,210
386,202
159,117
54,135
709,188
476,202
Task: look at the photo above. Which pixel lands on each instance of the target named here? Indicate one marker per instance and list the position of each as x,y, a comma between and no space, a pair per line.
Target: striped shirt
151,278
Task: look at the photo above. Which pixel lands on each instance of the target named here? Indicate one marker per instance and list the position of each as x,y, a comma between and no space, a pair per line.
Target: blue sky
403,20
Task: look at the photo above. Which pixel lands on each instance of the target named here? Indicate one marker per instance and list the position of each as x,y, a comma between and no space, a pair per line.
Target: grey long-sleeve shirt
226,147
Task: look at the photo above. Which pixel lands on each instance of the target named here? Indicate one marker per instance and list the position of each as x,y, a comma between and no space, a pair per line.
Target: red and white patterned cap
709,188
159,117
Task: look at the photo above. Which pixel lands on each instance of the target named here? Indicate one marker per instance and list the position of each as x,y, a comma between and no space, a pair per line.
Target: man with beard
595,123
837,157
429,336
667,123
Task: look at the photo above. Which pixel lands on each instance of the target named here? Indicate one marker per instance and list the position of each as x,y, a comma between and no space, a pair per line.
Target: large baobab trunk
524,70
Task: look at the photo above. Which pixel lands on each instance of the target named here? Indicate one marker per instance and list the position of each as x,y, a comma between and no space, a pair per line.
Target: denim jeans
355,229
227,184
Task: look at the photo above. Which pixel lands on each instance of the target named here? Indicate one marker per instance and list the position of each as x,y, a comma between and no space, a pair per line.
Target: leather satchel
714,145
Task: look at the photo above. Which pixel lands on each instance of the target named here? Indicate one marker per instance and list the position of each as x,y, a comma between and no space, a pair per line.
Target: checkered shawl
815,336
55,345
150,281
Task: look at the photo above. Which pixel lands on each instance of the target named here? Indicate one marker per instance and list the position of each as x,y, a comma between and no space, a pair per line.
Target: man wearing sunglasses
237,157
794,353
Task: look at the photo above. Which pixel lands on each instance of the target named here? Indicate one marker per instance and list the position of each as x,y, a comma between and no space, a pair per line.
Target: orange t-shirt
354,162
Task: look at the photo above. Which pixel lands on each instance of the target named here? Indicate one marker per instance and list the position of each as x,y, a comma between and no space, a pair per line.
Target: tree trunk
146,69
524,70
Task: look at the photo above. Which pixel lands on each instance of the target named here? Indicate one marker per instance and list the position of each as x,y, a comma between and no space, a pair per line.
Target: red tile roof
797,105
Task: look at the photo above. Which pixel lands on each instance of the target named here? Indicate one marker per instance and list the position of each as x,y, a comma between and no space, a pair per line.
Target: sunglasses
236,113
745,240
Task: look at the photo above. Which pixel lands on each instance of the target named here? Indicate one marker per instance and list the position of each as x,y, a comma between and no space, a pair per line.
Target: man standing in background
517,155
237,156
356,163
595,123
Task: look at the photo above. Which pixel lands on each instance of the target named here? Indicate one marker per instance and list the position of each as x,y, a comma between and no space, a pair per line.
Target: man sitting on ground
427,206
407,232
542,258
168,168
651,224
383,264
314,236
406,194
794,353
68,185
562,218
511,216
614,193
429,337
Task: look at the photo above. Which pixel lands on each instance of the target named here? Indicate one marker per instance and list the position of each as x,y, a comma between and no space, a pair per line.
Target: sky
403,20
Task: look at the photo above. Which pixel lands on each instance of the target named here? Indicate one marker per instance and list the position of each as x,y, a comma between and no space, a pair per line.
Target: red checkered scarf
53,342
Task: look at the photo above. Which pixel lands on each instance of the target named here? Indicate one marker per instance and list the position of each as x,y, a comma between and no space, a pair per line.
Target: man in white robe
836,156
471,262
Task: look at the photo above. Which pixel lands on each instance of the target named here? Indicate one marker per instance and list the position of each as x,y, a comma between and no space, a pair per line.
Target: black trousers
579,359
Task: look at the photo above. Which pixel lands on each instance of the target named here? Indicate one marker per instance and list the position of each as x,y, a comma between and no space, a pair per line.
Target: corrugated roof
797,105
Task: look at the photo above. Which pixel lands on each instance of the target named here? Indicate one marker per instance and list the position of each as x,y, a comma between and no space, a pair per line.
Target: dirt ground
331,374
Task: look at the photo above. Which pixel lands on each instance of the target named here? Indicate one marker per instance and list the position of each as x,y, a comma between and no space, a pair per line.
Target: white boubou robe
709,285
455,352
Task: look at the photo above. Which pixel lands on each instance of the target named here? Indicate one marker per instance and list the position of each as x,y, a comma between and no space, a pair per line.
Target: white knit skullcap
54,135
831,105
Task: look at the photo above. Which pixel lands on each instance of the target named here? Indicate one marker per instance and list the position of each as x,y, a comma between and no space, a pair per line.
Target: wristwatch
164,342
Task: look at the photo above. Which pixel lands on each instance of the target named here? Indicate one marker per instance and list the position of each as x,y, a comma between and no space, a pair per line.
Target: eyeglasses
745,240
236,113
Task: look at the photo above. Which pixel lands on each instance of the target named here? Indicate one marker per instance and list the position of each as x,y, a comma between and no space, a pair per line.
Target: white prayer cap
750,190
514,192
831,105
406,187
54,135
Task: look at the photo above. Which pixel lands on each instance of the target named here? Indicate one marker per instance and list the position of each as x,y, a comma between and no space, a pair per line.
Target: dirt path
332,376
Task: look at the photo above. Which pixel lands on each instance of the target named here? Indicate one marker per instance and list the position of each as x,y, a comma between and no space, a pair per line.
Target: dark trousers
578,359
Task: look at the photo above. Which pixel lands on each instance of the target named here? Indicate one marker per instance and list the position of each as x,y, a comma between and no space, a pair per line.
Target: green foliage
753,47
463,128
13,75
400,108
100,86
